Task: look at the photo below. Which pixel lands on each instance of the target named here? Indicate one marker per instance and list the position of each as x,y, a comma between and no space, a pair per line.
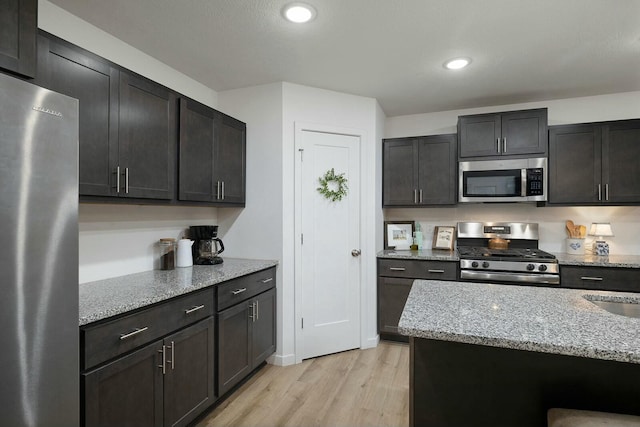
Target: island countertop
548,320
106,298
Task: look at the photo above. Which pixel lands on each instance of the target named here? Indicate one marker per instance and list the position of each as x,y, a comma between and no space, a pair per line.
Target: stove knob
485,264
531,267
474,264
542,268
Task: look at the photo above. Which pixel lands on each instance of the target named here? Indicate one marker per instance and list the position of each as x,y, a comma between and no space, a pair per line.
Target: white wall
119,239
625,220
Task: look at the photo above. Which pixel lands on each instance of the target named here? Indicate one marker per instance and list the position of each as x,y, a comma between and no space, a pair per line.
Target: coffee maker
206,246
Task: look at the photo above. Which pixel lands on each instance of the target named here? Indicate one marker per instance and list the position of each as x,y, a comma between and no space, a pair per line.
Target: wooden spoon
571,228
583,231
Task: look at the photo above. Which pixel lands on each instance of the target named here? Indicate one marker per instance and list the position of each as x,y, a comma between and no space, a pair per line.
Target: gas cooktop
511,254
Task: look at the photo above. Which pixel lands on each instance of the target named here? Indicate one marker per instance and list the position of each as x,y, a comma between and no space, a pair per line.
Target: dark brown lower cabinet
395,278
166,383
246,337
600,278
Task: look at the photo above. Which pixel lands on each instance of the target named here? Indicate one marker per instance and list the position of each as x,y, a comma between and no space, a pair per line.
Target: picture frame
398,232
443,237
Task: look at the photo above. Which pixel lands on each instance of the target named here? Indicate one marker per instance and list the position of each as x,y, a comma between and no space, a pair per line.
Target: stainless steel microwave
509,180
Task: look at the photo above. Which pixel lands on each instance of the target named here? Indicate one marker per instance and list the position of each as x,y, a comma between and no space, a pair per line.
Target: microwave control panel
535,182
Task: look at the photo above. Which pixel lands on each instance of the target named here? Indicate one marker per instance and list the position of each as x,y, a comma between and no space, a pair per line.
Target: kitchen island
500,355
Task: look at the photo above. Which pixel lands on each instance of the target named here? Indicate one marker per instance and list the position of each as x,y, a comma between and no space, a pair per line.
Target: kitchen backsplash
624,221
116,240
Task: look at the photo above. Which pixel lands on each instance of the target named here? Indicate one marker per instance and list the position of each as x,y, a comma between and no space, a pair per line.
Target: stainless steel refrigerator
39,375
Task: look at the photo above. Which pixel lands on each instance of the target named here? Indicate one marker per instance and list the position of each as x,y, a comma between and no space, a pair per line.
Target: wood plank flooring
353,388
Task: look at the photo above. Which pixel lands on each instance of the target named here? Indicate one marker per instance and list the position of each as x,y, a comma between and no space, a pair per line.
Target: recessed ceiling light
299,12
457,63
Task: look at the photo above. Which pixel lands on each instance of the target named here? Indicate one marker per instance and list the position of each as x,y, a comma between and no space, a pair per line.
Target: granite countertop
590,260
105,298
424,254
548,320
587,260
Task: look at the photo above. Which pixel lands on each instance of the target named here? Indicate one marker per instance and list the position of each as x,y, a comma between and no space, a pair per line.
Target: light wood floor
353,388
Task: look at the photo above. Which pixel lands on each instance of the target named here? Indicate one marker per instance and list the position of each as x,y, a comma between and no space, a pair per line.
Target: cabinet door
478,136
94,83
574,164
230,160
398,175
189,379
524,132
436,165
234,346
125,392
18,29
195,167
392,296
621,162
263,337
147,138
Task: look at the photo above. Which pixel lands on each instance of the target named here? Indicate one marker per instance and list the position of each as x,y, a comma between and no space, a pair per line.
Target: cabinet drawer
107,340
602,278
436,270
242,288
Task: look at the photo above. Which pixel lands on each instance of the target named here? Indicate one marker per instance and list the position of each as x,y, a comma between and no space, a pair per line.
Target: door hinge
303,323
301,150
301,239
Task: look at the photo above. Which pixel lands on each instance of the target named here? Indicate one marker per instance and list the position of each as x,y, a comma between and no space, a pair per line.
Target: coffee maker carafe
207,246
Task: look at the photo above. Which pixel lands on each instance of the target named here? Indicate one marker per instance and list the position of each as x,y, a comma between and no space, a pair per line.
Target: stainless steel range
521,263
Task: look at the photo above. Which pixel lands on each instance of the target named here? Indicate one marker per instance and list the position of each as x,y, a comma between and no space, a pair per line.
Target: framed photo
398,233
443,237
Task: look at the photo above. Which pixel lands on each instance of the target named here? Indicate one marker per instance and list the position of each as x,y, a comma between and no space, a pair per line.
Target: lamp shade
601,229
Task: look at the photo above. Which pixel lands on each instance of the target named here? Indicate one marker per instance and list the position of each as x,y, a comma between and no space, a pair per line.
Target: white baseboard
370,342
282,360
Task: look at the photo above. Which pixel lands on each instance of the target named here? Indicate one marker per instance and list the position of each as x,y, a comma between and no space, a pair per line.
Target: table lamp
600,230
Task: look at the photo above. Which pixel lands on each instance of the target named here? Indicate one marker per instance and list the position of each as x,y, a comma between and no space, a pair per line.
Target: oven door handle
501,276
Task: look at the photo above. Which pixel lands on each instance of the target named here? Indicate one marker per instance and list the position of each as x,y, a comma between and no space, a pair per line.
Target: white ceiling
391,50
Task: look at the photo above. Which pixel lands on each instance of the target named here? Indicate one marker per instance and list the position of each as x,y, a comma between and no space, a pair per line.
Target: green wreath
339,180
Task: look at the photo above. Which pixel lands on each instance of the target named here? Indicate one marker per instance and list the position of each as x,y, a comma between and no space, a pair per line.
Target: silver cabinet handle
164,359
252,314
421,195
191,310
435,271
595,279
270,279
397,268
126,180
606,192
498,145
134,333
415,196
504,143
599,191
238,291
117,179
217,190
257,310
173,355
222,190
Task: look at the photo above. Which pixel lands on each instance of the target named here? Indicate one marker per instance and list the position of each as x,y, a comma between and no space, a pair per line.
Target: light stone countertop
587,260
548,320
105,298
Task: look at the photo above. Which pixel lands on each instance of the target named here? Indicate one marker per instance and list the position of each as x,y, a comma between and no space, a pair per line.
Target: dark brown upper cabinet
595,163
94,82
419,171
18,31
211,165
513,133
147,139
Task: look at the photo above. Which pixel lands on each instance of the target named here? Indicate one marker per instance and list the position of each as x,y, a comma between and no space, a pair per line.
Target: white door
327,272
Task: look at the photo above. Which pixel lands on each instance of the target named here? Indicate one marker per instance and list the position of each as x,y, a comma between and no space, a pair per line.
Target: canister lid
167,240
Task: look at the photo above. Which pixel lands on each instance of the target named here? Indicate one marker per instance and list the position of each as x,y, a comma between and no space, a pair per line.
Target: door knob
355,252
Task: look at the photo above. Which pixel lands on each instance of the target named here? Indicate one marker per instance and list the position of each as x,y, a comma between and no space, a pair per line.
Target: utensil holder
575,246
